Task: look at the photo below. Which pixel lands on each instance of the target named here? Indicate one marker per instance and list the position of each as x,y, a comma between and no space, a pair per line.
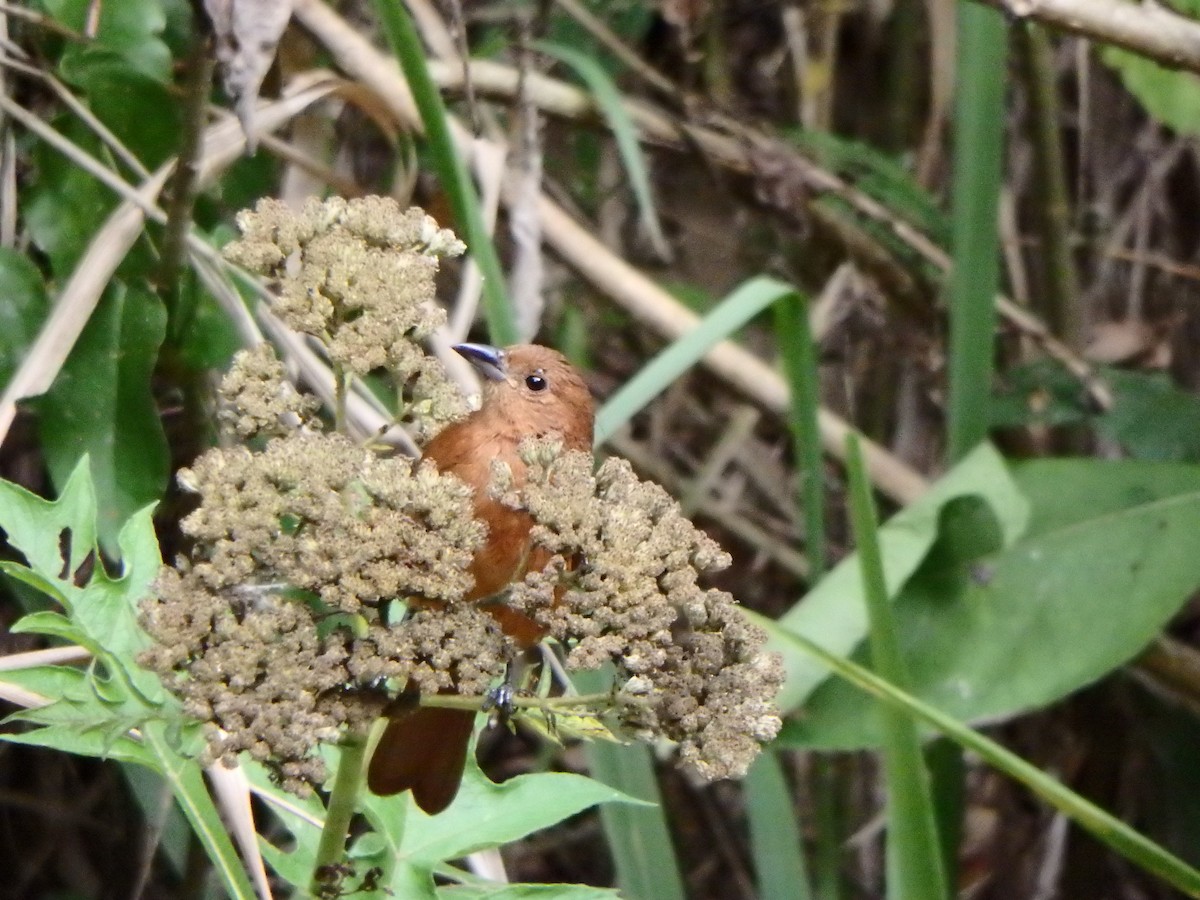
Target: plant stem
1060,307
199,67
343,800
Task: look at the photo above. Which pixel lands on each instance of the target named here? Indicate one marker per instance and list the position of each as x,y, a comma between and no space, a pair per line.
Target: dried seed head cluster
359,276
280,630
623,588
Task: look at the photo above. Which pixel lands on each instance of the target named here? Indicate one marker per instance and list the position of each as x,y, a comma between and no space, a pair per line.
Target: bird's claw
500,698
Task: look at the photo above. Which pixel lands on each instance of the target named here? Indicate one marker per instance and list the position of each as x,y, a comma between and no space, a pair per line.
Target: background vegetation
966,241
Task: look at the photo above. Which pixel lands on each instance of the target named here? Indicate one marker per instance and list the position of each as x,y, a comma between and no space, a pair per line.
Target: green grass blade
798,353
1106,828
187,784
775,838
402,35
978,156
742,305
612,104
914,858
638,836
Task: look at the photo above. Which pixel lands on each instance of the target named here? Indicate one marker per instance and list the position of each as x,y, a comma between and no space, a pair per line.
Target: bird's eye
536,382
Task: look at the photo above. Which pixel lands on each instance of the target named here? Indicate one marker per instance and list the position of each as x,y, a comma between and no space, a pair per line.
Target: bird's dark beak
489,361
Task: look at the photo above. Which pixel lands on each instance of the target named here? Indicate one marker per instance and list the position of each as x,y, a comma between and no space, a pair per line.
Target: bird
529,391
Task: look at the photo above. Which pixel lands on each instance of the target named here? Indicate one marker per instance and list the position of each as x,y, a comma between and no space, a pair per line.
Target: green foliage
1100,824
914,858
23,308
834,613
132,29
101,404
1152,418
730,314
1170,96
1104,542
608,98
94,712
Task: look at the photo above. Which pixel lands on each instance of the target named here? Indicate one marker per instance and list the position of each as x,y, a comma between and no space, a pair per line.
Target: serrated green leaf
49,681
486,814
27,576
53,624
37,527
70,739
101,404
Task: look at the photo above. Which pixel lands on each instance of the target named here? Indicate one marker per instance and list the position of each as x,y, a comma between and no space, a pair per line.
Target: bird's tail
423,749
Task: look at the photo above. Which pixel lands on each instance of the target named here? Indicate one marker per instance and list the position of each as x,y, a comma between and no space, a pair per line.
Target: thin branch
1147,28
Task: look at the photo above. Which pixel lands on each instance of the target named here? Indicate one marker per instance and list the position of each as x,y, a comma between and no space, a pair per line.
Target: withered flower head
623,589
282,628
359,276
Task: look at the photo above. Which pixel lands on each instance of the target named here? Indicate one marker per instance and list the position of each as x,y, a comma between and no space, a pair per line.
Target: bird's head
536,388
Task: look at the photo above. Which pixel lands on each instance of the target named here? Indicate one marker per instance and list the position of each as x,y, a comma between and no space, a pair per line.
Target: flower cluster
623,588
358,275
326,577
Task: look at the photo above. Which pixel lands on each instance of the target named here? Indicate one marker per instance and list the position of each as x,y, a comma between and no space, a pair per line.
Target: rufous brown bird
528,392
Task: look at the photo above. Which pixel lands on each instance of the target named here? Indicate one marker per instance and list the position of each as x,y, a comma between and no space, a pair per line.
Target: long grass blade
1103,826
914,857
452,173
726,317
775,838
626,134
978,155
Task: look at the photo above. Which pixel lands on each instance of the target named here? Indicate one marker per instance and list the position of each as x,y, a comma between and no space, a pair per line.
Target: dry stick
1146,28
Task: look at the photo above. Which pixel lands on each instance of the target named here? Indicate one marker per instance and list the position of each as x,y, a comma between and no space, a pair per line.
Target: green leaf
834,613
191,793
41,529
914,858
486,814
54,625
738,308
23,310
131,28
70,738
63,205
120,96
49,681
775,838
990,635
1103,826
1170,96
1151,418
102,405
